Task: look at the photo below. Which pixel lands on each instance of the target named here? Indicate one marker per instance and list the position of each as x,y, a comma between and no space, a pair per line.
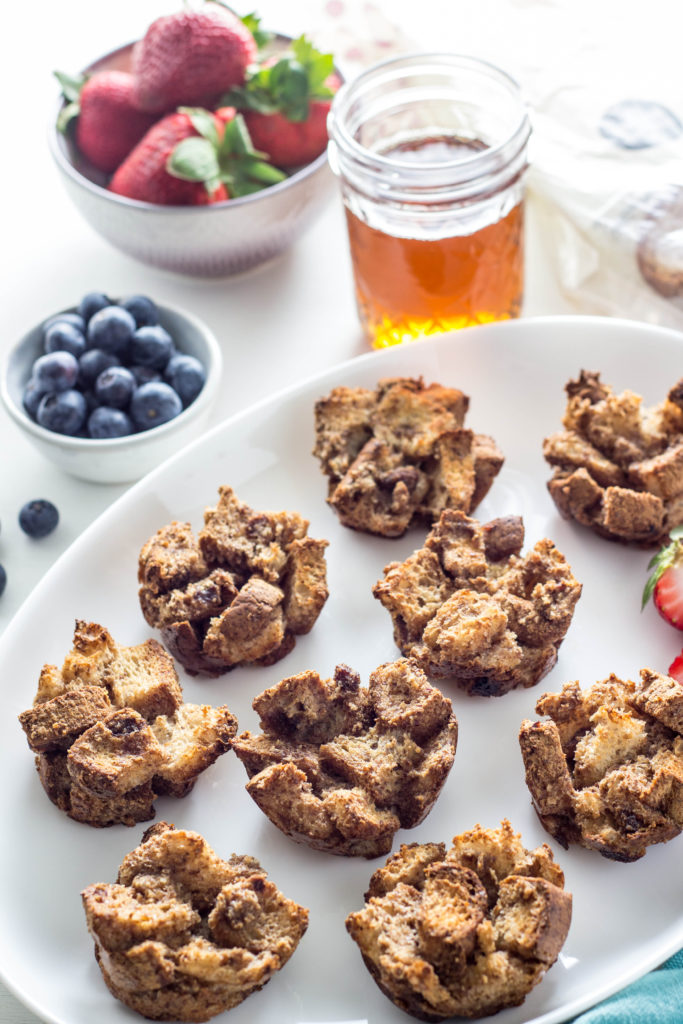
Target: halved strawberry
665,585
676,668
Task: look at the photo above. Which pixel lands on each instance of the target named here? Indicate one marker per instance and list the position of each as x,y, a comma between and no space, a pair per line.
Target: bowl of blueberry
110,388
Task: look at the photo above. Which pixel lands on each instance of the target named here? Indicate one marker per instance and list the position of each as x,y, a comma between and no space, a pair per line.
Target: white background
277,324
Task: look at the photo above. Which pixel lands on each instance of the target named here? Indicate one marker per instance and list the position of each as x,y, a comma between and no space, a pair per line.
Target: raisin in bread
239,592
469,607
340,767
184,935
111,731
400,454
466,931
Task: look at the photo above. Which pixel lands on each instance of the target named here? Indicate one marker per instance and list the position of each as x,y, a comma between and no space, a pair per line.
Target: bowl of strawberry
110,388
202,147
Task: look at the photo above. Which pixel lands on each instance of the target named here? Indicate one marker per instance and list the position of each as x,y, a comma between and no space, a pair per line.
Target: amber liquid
409,288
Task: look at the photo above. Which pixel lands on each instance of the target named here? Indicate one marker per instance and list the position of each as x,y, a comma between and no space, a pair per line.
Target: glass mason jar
430,152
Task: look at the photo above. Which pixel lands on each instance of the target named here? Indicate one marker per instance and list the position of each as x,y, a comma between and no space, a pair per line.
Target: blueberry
142,309
153,404
107,422
33,393
114,387
187,376
111,329
62,412
91,401
75,319
92,303
38,518
144,374
3,580
151,346
92,363
57,371
64,337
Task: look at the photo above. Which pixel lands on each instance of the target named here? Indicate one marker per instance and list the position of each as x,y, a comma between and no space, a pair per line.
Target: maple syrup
431,153
408,288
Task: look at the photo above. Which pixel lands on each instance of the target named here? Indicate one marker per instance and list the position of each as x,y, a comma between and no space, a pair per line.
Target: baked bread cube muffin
238,593
399,454
340,767
617,466
468,606
466,931
111,732
184,935
605,768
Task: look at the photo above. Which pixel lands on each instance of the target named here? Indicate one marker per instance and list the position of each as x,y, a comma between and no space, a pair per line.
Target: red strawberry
665,585
109,123
193,157
676,668
290,143
191,57
286,103
144,174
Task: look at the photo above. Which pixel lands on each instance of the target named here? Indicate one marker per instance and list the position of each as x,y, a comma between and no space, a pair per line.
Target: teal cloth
657,998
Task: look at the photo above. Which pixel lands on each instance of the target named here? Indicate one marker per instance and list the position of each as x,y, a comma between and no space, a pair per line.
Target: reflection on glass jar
430,151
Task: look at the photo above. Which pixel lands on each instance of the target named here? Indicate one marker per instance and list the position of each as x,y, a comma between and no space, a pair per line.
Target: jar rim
461,168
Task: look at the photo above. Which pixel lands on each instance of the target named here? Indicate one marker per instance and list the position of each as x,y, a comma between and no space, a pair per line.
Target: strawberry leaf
260,170
287,86
253,95
66,115
664,559
195,159
71,91
244,188
203,122
319,66
236,139
242,168
253,23
71,87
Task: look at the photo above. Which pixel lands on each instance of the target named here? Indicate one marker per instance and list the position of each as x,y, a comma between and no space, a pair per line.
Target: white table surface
276,324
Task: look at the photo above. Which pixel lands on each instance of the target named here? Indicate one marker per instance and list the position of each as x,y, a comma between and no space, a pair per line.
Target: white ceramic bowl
203,241
121,459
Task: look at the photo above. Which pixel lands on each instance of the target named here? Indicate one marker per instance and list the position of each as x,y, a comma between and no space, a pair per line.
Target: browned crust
468,606
618,467
605,770
400,454
239,593
463,932
112,732
341,768
183,935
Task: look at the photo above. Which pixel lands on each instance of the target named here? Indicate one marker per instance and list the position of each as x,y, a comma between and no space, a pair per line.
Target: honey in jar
431,154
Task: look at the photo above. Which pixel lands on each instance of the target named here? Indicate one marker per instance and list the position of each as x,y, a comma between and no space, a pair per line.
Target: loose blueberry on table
39,517
109,370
